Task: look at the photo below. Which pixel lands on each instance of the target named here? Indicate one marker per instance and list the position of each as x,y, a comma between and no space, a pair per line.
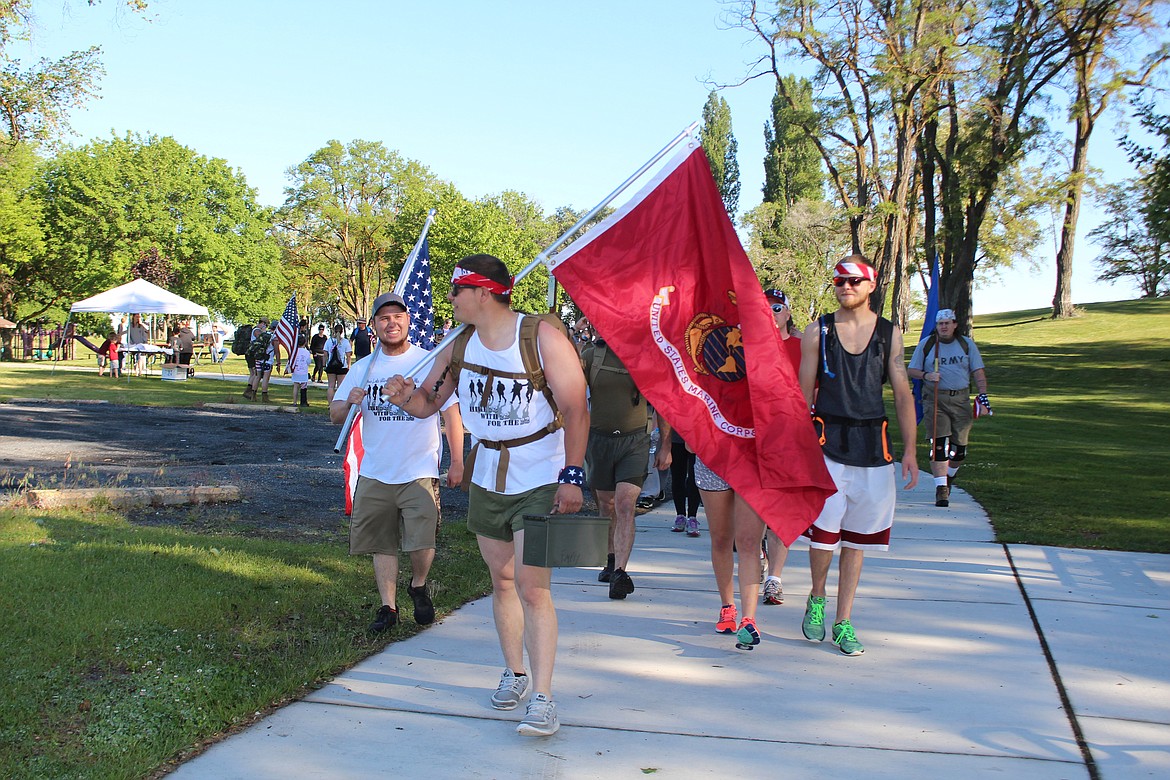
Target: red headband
849,268
467,278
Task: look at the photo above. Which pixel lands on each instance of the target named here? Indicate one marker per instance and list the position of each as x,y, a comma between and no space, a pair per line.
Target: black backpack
242,339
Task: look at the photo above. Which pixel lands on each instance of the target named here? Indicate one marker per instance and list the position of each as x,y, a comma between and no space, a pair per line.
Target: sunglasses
458,288
841,282
779,307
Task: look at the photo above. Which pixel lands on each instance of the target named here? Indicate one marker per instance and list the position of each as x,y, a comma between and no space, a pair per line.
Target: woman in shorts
338,351
732,525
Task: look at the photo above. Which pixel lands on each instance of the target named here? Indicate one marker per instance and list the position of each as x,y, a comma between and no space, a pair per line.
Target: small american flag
287,326
419,302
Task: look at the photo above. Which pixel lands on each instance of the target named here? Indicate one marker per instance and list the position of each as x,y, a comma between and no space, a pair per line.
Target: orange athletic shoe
726,622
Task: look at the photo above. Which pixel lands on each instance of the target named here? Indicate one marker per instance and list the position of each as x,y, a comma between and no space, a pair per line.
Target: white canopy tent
139,297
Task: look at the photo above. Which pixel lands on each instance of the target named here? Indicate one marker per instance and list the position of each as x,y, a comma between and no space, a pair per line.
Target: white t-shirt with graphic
399,448
511,410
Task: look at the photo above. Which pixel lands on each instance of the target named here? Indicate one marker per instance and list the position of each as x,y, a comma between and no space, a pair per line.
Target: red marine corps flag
666,283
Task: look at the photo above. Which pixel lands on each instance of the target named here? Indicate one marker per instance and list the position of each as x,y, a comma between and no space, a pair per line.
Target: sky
560,101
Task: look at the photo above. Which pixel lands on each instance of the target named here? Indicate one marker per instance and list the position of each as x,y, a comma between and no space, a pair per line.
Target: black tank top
850,413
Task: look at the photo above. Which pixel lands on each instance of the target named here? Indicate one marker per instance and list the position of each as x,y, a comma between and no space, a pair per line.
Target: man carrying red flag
846,358
686,315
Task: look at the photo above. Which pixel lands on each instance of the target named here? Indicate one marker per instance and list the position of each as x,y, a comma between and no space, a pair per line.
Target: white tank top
513,409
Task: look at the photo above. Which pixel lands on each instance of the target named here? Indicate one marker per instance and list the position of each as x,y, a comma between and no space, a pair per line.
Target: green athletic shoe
846,640
814,619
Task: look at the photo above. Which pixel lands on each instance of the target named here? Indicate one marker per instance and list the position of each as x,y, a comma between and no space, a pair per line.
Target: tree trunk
1062,305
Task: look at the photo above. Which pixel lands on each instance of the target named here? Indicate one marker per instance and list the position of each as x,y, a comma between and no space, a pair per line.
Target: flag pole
540,259
399,287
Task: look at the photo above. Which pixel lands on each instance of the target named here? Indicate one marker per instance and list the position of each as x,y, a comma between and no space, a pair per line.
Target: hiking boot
726,622
693,527
387,618
620,584
773,592
680,524
748,634
813,625
249,393
511,690
264,397
846,640
942,496
540,720
424,610
606,574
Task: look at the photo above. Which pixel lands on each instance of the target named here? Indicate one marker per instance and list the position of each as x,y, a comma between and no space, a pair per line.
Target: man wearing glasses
846,358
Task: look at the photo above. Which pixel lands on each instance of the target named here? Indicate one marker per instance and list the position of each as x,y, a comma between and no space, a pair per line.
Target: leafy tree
351,215
1133,243
21,234
794,249
719,142
109,203
35,101
1103,38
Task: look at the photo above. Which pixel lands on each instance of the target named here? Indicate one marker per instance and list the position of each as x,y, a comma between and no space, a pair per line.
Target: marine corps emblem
716,348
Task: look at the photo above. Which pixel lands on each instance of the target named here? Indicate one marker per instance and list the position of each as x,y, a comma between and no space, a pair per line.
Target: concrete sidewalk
955,681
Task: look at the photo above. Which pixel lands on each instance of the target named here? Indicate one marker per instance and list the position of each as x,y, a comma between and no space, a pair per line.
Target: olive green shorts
499,516
385,516
610,459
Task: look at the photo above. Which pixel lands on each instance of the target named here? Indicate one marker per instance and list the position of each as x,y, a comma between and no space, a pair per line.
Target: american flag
419,302
287,325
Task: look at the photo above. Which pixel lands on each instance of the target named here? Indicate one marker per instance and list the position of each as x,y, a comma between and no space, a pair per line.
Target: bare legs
523,609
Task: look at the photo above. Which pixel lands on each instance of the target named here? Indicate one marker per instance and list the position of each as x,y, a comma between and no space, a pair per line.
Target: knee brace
942,449
959,453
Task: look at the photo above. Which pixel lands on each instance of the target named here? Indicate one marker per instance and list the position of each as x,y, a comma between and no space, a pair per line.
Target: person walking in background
946,363
520,445
361,340
317,350
617,454
261,354
846,359
298,366
682,482
396,502
777,553
338,352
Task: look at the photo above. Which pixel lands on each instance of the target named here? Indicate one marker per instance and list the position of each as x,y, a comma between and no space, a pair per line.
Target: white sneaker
541,718
511,691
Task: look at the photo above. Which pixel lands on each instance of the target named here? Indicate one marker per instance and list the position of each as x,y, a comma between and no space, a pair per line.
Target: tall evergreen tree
792,164
719,142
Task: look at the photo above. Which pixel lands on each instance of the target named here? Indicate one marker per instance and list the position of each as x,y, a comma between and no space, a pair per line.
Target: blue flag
419,302
927,328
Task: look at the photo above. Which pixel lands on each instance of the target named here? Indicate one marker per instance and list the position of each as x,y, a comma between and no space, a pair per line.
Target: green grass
69,382
1078,452
124,646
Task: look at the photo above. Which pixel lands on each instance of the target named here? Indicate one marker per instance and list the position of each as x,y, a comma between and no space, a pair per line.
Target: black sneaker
387,618
620,585
607,573
942,496
424,610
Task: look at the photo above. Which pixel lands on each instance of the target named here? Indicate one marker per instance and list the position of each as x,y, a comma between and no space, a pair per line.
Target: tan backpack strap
530,355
